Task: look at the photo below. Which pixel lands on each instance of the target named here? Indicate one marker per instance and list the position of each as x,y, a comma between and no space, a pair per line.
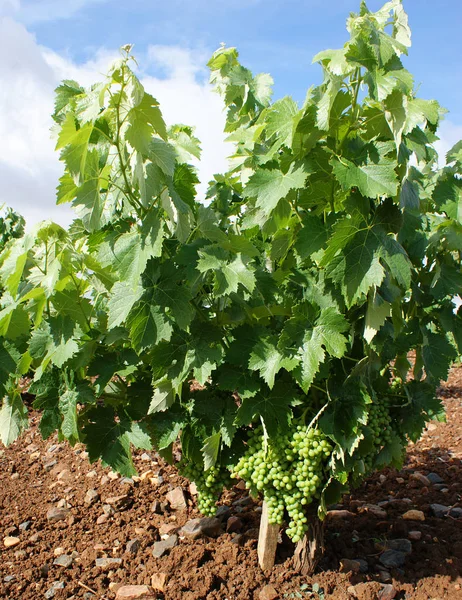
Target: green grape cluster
288,470
209,484
379,424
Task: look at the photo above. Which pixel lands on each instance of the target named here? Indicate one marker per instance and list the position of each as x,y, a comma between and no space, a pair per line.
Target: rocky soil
72,530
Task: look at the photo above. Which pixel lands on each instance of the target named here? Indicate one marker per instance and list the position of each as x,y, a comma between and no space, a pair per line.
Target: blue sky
276,36
45,41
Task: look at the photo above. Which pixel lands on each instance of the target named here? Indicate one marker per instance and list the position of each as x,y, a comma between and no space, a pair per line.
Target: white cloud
36,11
29,166
449,134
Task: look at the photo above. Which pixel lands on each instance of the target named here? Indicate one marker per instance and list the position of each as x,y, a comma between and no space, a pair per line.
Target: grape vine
327,253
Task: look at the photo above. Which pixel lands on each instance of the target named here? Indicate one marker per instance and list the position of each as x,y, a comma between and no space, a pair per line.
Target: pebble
399,480
91,474
49,465
136,592
223,512
108,562
435,478
156,507
127,481
158,581
400,544
168,528
373,509
196,528
65,560
91,497
118,502
176,498
393,558
420,478
108,510
58,514
233,524
415,536
384,576
146,475
57,585
9,578
59,551
164,546
133,546
101,519
11,542
245,501
193,489
439,510
25,526
145,456
388,592
268,593
113,475
347,565
339,514
414,515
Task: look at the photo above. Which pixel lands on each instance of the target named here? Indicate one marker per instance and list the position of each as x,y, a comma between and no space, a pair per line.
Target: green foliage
329,250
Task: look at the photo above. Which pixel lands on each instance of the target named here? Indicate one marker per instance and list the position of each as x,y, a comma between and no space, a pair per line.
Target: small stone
384,576
9,578
15,476
414,515
91,474
58,551
49,465
164,546
193,489
127,481
51,592
58,514
439,510
388,592
11,542
19,554
435,478
168,528
347,566
363,565
101,519
104,479
158,581
335,515
63,561
108,510
233,525
133,546
108,563
136,592
176,498
113,475
400,480
25,526
91,497
34,455
373,509
63,503
393,558
456,513
431,426
245,501
145,456
146,475
400,544
118,502
223,512
156,507
415,536
268,593
196,528
420,478
382,478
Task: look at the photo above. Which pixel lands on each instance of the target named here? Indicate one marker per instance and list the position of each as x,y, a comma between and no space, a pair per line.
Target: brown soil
225,567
